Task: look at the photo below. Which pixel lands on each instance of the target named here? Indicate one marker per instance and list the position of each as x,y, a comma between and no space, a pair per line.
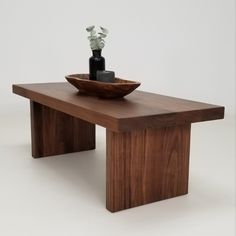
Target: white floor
65,195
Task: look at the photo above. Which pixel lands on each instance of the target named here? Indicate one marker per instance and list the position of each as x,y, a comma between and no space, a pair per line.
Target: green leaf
101,45
104,30
90,28
94,44
92,37
97,41
100,38
93,32
102,35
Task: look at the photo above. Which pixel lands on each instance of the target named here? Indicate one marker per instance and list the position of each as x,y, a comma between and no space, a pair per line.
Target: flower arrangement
97,41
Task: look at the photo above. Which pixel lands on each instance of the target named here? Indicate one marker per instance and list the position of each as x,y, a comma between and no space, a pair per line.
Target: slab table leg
54,132
145,166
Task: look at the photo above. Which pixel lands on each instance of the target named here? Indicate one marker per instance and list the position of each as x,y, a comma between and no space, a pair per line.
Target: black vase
96,62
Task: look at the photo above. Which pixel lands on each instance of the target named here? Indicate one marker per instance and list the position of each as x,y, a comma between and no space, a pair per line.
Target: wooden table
147,137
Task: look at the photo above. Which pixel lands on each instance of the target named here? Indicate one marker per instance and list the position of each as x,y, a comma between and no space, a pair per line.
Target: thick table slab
147,137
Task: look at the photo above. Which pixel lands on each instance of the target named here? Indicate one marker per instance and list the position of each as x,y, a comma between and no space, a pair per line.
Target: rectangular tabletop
138,110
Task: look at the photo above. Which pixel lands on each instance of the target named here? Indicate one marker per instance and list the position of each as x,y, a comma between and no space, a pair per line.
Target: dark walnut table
147,137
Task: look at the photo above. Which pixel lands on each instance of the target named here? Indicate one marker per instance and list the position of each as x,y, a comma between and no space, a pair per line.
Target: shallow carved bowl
118,89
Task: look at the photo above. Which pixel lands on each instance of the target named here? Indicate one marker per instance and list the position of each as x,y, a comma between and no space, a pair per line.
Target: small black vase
96,62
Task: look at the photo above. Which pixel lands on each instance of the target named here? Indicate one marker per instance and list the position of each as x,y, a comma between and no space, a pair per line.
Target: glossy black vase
96,62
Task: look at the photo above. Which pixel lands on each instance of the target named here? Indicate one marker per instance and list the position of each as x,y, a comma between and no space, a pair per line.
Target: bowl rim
76,77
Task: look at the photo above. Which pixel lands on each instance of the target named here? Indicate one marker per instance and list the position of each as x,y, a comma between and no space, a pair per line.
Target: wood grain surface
138,110
54,132
146,166
147,137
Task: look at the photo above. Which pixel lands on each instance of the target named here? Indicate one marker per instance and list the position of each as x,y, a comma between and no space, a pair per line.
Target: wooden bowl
118,89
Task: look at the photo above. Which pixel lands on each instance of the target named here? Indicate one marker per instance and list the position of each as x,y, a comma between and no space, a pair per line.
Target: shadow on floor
84,170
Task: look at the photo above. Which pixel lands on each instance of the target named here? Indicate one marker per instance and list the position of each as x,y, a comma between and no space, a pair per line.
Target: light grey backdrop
182,48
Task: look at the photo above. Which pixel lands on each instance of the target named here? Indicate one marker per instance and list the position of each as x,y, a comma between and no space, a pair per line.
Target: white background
182,48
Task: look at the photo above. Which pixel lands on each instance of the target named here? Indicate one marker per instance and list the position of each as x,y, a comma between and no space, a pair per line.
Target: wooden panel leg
146,166
54,132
